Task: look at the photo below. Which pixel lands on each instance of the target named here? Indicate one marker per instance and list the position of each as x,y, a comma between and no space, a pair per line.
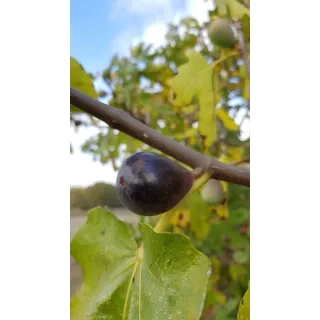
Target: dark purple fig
149,184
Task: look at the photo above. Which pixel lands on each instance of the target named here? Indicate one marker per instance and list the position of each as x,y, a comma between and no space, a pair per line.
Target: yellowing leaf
181,218
169,94
219,297
216,93
244,308
195,80
224,186
235,153
224,158
246,82
192,141
177,230
222,210
227,121
191,78
246,89
237,10
189,109
168,82
81,80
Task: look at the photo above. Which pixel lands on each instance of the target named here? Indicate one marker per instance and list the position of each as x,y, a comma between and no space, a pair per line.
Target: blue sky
101,28
91,34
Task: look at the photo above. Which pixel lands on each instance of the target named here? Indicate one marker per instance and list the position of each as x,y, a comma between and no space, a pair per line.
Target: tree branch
123,122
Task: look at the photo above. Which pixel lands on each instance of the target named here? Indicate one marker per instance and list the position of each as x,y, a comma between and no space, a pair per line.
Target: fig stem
229,55
198,172
166,217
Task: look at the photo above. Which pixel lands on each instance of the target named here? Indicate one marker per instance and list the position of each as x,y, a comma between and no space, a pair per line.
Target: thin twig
78,123
123,122
242,45
244,160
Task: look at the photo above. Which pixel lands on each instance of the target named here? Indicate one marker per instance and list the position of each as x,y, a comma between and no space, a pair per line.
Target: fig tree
221,33
212,192
149,184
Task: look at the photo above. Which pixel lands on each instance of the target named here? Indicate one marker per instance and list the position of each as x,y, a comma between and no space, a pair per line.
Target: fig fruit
149,184
212,192
221,33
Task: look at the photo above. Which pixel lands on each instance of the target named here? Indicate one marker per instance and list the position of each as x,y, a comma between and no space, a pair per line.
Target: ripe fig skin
212,192
221,33
149,184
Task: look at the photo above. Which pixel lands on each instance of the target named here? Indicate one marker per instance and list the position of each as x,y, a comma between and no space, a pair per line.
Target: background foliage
99,194
144,85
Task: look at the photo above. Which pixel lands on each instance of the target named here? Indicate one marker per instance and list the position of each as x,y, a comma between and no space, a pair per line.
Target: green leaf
240,257
165,279
246,85
226,309
199,216
81,80
221,6
105,249
246,28
237,10
194,79
244,308
239,215
189,133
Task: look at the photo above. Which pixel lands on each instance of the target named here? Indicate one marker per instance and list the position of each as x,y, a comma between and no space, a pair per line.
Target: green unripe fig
212,192
221,33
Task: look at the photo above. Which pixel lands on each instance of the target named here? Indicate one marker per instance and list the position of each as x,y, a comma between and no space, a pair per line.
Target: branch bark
122,121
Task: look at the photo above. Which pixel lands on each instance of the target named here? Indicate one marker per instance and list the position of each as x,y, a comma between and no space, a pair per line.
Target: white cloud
123,10
123,41
156,14
154,33
198,9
